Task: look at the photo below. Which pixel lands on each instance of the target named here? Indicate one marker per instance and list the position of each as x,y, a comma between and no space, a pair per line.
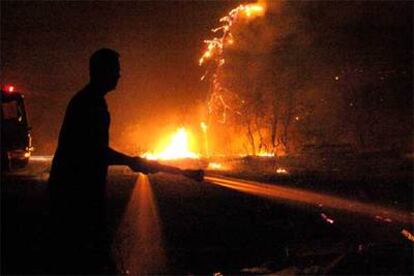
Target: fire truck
16,142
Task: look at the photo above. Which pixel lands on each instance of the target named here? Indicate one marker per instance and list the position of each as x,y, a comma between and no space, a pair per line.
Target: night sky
45,47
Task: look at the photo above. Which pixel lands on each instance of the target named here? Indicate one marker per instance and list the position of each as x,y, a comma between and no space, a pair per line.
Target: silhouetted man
83,153
79,169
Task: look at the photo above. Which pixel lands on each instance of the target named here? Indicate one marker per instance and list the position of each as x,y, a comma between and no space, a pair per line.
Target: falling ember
215,52
327,219
216,45
281,171
384,219
178,148
407,234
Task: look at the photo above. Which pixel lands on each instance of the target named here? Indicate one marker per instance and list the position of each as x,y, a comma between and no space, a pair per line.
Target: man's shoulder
86,100
81,95
84,97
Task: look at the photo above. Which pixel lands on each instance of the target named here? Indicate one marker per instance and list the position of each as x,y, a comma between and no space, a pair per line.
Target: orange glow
407,234
9,88
253,10
215,46
214,166
203,126
177,148
214,52
281,171
265,154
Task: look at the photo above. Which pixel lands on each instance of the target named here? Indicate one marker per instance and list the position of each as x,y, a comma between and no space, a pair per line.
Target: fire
178,148
215,46
253,10
265,154
214,53
203,127
214,166
281,171
407,234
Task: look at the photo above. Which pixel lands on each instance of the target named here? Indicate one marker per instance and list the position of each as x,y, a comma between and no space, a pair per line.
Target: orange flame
281,171
178,148
215,52
215,46
214,166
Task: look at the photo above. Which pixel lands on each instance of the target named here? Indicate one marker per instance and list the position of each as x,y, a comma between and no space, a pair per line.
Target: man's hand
138,164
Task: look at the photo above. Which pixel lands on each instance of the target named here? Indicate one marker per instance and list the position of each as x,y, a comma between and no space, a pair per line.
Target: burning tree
234,96
293,73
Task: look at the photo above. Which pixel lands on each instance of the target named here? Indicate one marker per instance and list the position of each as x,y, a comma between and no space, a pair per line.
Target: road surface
169,224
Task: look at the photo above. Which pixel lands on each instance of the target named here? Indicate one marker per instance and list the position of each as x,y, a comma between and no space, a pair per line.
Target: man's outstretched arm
139,164
117,158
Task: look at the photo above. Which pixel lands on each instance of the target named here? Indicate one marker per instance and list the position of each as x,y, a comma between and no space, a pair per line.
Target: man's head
104,69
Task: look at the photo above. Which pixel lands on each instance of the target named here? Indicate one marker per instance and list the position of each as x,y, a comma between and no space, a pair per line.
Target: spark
407,234
281,171
327,219
215,53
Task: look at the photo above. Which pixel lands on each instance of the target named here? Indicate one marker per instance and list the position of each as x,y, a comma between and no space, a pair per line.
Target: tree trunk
251,138
273,128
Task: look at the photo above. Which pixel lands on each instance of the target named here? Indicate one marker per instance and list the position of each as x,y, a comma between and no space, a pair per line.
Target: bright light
178,148
215,46
214,166
265,154
407,234
253,9
281,171
327,219
9,88
42,158
203,126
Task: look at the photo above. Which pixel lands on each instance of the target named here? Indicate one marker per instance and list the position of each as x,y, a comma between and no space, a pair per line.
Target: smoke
308,65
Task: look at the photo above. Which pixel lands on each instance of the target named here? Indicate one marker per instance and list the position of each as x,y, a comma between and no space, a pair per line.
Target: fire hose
154,167
286,193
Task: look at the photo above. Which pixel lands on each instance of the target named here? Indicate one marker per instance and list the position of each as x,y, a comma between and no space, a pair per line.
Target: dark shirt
79,238
79,167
